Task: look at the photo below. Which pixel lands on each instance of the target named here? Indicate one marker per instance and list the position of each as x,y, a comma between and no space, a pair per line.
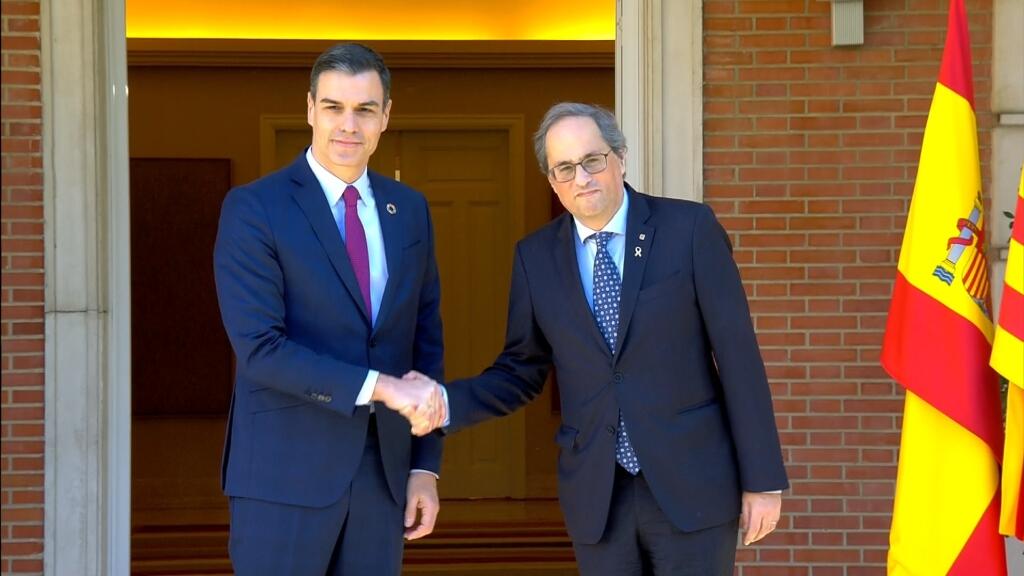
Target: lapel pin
391,209
637,252
642,237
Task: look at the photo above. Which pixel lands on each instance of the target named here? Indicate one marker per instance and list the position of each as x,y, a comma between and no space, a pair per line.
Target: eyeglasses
592,164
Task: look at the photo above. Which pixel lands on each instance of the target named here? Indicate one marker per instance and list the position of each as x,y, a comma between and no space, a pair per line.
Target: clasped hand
416,397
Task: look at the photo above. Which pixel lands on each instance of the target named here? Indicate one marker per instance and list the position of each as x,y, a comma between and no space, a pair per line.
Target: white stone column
87,467
658,95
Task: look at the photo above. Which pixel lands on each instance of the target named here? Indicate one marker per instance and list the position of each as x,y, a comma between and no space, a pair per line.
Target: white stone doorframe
659,80
87,296
87,253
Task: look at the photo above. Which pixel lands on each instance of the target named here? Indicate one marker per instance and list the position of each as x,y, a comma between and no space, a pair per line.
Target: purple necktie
355,244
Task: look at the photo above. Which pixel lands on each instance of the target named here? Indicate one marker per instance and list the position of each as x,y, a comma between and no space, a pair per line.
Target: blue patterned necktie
607,289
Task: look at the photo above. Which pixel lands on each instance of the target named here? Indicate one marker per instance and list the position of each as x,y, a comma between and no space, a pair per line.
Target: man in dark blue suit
328,285
668,439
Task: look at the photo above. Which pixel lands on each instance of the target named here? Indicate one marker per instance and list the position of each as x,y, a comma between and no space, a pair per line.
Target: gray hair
351,59
604,119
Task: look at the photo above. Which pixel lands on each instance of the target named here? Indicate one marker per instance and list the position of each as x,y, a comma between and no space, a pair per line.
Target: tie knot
602,238
350,196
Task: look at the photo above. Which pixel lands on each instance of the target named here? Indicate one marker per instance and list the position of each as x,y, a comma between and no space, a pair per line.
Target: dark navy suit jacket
687,373
304,342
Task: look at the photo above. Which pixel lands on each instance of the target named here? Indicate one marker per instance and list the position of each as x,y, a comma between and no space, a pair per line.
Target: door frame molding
87,391
659,98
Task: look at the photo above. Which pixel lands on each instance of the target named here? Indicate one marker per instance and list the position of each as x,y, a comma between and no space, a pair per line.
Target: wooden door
465,176
181,357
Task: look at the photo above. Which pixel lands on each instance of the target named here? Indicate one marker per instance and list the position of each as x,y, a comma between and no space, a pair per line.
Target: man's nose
348,122
582,177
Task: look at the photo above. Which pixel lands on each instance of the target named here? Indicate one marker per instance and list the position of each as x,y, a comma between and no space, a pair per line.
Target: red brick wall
810,158
21,463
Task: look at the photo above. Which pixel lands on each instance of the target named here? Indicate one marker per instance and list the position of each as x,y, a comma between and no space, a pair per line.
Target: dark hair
350,59
604,119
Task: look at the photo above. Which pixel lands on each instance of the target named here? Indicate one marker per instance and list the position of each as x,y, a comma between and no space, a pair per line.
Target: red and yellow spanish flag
1008,360
938,343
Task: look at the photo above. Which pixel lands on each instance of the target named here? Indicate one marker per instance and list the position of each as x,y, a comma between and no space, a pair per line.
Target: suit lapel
638,241
569,270
394,239
310,196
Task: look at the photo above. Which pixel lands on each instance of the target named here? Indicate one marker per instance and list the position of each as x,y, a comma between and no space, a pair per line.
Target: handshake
415,396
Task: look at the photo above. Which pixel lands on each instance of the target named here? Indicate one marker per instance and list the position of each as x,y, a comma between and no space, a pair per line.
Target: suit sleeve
428,352
250,291
748,402
517,375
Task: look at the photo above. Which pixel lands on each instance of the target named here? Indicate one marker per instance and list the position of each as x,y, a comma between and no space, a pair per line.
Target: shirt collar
617,225
334,187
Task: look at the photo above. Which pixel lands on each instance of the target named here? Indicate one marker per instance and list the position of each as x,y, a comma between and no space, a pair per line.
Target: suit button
610,429
617,377
373,342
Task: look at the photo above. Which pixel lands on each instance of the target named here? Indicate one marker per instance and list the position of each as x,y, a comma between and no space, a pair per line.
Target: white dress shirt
333,188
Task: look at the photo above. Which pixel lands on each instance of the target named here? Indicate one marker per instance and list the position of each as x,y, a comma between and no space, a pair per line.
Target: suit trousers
639,540
359,535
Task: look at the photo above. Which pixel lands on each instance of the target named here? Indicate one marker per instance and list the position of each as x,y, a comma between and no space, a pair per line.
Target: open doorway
197,120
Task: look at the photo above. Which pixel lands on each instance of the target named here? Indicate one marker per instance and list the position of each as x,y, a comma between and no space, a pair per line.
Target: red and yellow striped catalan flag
938,343
1008,360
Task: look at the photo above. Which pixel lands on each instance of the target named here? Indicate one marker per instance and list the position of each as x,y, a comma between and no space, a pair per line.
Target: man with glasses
668,439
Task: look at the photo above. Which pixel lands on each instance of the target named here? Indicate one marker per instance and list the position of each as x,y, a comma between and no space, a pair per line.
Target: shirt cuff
421,471
366,392
771,492
447,408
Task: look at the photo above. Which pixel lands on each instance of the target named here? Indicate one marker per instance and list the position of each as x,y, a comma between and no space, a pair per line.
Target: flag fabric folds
937,346
1008,360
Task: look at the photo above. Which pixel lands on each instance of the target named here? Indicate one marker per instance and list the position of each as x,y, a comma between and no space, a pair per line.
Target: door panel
465,176
181,358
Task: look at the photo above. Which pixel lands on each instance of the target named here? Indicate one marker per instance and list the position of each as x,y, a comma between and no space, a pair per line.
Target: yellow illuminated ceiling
373,19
